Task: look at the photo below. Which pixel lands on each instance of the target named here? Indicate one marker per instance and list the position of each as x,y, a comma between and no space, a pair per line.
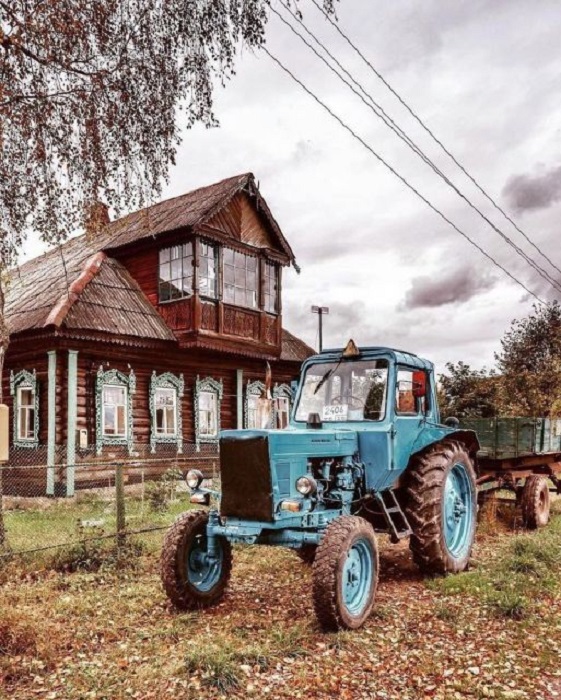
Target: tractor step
393,514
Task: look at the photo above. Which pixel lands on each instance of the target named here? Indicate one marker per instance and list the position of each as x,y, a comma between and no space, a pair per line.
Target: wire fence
92,507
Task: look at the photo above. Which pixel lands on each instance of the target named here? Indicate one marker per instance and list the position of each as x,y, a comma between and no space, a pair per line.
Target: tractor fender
433,435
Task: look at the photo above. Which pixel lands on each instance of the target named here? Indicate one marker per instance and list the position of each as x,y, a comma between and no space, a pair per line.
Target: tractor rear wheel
442,508
535,502
190,578
345,574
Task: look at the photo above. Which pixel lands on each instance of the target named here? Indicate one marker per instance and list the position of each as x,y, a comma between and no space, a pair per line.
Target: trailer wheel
190,578
307,553
442,508
345,574
535,502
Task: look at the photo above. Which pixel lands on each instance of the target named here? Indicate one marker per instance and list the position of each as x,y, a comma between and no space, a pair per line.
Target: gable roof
189,210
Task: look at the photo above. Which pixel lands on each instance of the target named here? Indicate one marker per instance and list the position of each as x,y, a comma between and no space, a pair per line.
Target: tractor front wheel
535,502
345,574
191,578
442,508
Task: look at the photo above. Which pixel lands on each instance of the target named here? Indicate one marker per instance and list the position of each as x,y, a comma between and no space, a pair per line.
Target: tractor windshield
351,390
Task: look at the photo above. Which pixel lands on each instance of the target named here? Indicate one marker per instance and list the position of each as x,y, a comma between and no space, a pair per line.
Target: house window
282,399
271,284
26,414
240,278
208,281
114,391
165,412
115,411
257,406
24,389
176,272
166,392
208,396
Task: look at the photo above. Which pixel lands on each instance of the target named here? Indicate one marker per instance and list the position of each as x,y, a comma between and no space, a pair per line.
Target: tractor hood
300,442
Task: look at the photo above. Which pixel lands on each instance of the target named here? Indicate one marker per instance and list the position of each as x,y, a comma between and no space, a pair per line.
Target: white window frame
164,432
171,382
124,406
215,388
19,382
107,379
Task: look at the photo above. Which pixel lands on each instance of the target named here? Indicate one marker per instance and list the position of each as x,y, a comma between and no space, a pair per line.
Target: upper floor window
271,288
176,272
240,278
26,408
208,279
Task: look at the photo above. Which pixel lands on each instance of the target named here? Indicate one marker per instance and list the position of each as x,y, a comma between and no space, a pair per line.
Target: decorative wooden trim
216,387
167,380
25,380
113,378
281,391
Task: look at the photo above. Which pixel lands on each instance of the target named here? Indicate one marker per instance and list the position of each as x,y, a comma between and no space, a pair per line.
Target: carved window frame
282,391
25,380
167,380
113,377
254,389
213,386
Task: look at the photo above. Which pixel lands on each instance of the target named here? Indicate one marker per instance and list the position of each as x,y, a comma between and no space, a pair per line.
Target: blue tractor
365,452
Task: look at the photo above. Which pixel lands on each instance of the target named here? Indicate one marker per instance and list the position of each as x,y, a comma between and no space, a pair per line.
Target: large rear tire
442,508
345,574
190,578
535,502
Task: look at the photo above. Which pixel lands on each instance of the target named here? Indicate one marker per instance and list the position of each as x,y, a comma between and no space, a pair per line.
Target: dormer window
271,288
176,272
240,279
208,266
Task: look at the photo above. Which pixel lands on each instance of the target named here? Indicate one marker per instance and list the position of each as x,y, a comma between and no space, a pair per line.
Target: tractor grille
245,472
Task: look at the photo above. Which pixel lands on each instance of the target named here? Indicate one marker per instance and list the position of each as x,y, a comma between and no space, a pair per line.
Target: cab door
409,415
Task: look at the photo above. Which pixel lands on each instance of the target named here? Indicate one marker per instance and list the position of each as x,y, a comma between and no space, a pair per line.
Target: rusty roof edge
60,310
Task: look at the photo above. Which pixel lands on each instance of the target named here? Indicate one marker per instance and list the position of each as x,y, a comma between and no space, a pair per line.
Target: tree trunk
4,342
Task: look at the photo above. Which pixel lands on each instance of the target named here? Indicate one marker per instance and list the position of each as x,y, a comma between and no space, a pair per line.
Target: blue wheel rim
457,511
357,576
203,573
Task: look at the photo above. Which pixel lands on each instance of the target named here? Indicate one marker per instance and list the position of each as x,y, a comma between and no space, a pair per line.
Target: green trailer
522,455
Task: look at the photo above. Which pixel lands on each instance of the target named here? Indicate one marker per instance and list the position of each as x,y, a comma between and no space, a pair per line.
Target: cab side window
405,402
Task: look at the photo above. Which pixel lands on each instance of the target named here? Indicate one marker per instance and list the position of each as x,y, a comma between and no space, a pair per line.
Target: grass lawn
108,632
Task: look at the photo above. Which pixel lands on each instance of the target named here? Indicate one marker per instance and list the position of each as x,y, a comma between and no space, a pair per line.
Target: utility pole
320,311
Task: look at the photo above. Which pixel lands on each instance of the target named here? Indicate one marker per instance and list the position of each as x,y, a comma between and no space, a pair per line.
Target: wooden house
140,345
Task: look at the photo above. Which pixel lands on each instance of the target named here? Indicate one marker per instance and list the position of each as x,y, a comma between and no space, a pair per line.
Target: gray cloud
533,191
457,286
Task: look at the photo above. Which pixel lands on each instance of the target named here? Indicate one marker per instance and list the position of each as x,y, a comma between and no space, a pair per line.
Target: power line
434,137
390,123
400,177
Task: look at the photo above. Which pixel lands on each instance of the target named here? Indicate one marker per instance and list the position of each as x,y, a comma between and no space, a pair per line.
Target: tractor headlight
194,478
306,485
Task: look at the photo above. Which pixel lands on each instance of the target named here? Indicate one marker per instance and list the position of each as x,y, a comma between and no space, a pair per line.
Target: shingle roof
187,210
294,349
78,286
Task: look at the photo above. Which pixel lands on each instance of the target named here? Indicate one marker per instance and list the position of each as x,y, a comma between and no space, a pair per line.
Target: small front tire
190,579
345,574
535,502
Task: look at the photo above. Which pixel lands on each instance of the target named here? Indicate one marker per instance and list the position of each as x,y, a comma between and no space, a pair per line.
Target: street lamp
320,311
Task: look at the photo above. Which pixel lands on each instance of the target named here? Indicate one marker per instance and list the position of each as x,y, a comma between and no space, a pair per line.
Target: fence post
4,457
2,525
120,498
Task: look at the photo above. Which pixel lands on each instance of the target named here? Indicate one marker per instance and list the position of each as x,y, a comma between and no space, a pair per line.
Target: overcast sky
485,75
